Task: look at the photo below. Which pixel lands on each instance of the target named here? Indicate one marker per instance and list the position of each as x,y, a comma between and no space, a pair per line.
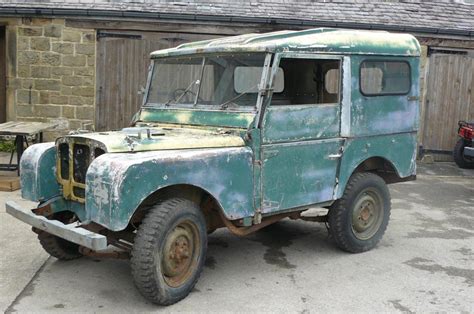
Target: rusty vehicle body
238,132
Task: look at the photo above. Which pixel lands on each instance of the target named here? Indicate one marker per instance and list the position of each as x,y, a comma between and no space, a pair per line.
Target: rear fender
398,149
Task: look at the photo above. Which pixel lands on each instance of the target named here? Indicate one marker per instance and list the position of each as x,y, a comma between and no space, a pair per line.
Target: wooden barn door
122,64
449,98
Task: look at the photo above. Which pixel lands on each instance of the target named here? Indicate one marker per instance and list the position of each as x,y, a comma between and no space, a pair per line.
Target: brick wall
55,74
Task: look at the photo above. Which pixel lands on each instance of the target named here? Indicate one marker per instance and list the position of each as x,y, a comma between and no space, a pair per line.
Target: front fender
116,184
38,172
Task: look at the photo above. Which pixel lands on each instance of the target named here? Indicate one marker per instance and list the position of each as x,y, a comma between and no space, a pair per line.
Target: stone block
23,71
83,91
53,30
59,99
40,71
50,58
60,71
40,43
71,35
28,57
23,43
64,48
72,80
24,110
81,101
88,37
43,84
44,97
69,112
30,31
74,61
85,49
27,83
26,96
40,22
86,71
66,90
88,81
48,111
85,113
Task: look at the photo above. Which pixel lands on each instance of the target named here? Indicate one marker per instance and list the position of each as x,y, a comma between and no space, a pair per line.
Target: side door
301,143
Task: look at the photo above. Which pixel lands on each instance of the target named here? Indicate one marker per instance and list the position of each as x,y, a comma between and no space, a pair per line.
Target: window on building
308,81
384,78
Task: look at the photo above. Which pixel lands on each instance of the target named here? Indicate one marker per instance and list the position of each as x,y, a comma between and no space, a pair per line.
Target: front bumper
469,151
70,232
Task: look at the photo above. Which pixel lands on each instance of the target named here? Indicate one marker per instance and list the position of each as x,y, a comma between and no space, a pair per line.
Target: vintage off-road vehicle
238,132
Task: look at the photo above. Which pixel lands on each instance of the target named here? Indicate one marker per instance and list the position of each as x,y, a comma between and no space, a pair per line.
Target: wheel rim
367,215
180,253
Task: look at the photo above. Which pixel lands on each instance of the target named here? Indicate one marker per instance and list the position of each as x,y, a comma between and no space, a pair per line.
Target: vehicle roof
318,40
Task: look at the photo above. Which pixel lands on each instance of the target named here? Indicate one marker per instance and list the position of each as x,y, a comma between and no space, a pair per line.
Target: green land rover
238,132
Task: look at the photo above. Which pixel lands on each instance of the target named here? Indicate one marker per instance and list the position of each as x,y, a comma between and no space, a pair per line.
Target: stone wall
55,75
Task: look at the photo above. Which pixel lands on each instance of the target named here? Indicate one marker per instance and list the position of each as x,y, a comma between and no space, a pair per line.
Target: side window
307,81
384,78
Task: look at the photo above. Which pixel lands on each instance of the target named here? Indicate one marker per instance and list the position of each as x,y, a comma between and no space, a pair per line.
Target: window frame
385,94
312,56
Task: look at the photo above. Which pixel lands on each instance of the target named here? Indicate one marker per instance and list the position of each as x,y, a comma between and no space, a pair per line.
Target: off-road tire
340,215
153,235
458,155
58,247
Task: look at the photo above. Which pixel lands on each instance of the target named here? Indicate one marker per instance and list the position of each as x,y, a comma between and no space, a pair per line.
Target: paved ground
425,263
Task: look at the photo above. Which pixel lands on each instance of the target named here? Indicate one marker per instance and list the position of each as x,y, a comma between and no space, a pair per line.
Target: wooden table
21,131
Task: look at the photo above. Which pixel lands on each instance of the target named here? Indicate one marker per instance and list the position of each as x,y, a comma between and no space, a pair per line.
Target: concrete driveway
425,263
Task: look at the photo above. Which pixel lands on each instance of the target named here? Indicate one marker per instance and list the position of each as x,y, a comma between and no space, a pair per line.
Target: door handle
334,156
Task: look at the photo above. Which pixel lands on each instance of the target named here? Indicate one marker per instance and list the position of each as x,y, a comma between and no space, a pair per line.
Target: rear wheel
358,220
458,155
169,251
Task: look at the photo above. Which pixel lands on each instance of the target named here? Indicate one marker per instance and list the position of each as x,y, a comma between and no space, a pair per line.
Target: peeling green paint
118,183
213,118
327,40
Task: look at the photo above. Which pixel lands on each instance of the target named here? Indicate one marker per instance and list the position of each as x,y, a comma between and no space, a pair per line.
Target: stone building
82,63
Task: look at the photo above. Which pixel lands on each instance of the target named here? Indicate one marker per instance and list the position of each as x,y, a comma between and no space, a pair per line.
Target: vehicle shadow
106,283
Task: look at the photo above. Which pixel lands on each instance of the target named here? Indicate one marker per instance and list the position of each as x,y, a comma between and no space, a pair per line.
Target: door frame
265,207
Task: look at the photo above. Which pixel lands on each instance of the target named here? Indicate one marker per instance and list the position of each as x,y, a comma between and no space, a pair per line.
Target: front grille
79,192
73,160
81,156
64,160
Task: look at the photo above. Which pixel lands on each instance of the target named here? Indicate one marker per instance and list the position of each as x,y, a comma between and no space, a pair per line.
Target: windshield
220,81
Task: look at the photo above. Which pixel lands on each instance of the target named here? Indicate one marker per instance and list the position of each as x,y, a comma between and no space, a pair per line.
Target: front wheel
169,251
358,220
459,158
58,247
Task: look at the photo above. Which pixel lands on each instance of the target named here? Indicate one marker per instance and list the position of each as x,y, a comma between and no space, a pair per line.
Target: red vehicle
464,150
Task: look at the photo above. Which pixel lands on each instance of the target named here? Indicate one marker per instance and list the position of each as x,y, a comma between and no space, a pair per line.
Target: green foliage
6,146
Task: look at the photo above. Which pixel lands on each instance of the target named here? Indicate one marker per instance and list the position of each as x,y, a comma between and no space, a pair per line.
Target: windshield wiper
187,90
225,105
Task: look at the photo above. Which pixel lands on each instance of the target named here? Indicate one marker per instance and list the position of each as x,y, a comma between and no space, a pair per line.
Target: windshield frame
266,66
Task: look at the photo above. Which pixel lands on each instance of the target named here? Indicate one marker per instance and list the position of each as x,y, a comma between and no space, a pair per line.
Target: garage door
449,98
122,63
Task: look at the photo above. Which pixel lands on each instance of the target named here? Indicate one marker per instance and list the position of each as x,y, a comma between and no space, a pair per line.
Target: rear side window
384,78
